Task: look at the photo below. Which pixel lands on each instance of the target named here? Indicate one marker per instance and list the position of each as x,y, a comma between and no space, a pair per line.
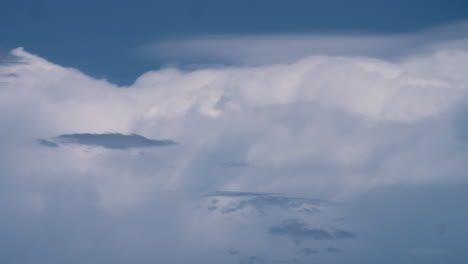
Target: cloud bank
330,125
327,127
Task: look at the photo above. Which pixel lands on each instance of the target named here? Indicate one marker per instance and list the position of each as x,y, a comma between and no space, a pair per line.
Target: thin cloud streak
108,140
287,48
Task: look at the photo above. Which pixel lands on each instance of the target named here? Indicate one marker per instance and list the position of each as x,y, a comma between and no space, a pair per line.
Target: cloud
307,251
47,143
332,126
337,128
264,201
299,231
333,250
232,252
111,140
238,194
342,234
313,252
286,48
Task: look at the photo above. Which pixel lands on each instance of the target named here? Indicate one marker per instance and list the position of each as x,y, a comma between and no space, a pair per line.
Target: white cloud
324,124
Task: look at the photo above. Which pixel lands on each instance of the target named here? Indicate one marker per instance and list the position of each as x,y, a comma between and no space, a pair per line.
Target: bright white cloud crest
340,123
328,127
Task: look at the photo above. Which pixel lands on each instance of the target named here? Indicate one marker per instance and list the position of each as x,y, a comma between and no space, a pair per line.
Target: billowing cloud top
280,138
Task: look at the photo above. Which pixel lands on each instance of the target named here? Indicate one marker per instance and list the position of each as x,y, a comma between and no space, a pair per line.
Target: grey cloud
232,252
342,234
262,201
237,194
112,140
7,58
307,251
7,75
212,208
299,231
333,250
47,143
282,202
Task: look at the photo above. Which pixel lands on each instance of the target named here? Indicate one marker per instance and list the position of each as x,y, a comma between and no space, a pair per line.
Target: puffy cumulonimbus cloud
327,125
84,157
107,140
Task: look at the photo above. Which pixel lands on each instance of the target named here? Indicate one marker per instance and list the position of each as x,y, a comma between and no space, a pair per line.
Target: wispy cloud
286,48
47,143
333,250
108,140
264,201
298,231
307,251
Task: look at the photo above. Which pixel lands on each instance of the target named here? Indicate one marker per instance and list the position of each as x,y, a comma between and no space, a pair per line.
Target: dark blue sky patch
112,140
99,37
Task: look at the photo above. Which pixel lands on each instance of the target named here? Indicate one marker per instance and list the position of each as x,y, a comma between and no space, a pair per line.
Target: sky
238,132
102,38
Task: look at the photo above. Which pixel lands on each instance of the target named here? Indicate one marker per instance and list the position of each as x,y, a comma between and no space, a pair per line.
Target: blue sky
100,37
238,132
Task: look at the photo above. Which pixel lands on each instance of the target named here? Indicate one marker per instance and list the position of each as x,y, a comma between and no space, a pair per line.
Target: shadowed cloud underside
298,231
108,140
261,202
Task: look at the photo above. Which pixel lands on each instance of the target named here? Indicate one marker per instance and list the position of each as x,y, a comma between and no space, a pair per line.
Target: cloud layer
330,125
280,138
270,48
